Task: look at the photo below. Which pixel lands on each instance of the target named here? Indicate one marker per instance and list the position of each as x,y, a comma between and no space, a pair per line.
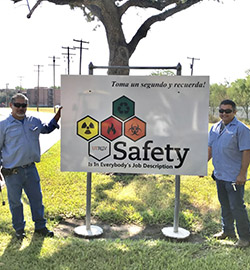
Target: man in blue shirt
19,150
229,147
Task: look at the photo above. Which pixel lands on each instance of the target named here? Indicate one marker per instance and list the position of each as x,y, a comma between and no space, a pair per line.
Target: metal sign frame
90,231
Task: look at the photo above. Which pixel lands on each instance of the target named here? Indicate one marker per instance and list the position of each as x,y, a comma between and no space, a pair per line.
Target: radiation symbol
87,128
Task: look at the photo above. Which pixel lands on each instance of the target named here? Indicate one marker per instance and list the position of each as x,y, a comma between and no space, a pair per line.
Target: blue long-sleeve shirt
19,140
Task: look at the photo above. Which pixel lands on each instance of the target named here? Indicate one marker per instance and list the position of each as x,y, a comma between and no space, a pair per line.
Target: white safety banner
135,124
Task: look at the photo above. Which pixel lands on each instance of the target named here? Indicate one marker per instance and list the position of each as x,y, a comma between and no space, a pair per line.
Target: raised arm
58,114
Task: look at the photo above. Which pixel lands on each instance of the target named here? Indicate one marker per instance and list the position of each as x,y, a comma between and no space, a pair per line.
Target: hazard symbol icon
111,128
135,129
87,128
123,108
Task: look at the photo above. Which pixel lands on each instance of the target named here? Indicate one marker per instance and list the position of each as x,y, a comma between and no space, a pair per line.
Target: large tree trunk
118,48
118,56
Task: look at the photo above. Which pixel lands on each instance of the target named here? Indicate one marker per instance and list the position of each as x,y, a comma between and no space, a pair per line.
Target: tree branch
159,5
143,30
34,7
76,3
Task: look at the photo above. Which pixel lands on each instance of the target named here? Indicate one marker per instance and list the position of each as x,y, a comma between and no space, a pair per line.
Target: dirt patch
127,231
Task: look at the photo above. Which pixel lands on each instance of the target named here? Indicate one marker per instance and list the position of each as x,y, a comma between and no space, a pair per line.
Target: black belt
25,166
7,172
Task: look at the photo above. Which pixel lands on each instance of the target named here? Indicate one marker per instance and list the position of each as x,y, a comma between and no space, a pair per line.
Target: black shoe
222,235
44,232
20,234
242,243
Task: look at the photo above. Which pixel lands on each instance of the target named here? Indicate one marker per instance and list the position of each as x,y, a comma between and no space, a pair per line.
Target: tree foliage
164,72
110,13
5,96
218,92
240,93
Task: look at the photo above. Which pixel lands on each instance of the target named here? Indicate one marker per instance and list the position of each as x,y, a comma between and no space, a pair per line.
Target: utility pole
20,77
54,79
6,90
81,48
38,78
68,55
192,64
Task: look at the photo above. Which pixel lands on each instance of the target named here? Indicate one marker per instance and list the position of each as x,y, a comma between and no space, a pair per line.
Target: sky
215,33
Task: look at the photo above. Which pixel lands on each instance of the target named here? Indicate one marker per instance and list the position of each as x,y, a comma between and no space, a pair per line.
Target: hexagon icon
123,108
111,128
99,148
87,128
135,129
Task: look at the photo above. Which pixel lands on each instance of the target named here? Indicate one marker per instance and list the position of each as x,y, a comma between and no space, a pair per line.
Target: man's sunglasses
18,105
225,111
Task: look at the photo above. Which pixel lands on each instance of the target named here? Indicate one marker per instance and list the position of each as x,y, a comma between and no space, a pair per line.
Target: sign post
88,230
175,231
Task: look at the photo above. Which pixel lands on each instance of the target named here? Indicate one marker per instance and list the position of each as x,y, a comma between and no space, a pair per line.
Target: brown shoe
223,235
241,243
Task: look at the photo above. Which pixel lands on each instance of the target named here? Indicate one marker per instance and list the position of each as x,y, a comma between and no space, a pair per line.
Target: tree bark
118,47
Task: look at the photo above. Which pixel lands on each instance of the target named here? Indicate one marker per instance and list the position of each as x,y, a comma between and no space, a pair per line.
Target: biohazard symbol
87,128
135,129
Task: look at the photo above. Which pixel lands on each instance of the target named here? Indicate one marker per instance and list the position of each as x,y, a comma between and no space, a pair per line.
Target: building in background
45,97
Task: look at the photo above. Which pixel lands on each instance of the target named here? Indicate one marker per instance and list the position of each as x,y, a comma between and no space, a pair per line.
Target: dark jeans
26,179
233,209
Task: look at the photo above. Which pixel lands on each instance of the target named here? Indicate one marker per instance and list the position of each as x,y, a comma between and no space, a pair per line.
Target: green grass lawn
137,199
